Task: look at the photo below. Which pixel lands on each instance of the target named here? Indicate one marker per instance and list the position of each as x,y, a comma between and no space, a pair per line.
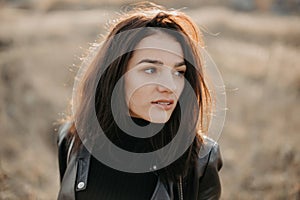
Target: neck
139,121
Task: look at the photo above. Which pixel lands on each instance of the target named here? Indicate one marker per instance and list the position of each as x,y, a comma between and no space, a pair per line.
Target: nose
166,83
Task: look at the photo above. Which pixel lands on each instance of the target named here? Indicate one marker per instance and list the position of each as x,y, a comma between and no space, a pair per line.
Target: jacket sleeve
62,143
209,183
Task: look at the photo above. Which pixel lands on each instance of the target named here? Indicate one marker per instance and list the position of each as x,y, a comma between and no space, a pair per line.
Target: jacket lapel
67,185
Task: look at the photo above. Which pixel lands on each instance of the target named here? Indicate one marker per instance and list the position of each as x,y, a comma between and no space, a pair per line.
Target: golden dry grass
257,54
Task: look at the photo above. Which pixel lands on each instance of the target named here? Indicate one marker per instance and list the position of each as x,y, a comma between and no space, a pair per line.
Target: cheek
180,88
136,97
129,88
136,88
140,95
137,103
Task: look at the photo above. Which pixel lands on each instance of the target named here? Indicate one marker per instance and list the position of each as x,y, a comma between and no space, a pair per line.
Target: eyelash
152,70
181,73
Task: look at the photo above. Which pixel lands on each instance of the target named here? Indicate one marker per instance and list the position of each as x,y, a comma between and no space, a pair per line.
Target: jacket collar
76,176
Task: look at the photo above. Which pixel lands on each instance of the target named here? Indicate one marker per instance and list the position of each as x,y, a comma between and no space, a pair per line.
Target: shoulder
209,156
209,165
63,143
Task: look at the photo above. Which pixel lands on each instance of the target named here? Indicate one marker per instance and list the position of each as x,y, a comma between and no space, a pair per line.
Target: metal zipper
180,192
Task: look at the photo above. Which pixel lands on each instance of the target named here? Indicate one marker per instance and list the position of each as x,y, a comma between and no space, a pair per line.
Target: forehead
160,46
161,41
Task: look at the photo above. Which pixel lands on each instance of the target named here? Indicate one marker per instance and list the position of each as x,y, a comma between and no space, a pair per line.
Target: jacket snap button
80,185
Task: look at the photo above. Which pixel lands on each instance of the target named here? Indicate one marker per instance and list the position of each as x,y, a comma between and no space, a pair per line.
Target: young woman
141,108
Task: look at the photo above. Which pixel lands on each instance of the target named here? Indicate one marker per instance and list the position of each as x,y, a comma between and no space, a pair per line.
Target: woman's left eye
179,73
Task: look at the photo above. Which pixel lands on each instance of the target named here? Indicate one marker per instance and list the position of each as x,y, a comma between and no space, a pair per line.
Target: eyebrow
160,62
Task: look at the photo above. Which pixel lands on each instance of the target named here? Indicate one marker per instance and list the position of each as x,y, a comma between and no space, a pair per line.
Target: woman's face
155,78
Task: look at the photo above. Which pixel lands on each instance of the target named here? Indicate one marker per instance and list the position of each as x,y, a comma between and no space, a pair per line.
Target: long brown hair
95,93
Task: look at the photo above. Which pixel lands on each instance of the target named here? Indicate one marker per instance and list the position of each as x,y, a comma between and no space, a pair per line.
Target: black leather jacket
204,185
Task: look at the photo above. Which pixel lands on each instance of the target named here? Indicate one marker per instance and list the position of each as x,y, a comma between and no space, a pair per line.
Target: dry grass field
258,54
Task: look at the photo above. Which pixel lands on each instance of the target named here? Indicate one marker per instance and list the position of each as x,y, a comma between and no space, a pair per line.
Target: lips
165,104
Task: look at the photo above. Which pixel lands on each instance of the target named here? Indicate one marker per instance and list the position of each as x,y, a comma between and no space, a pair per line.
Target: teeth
164,103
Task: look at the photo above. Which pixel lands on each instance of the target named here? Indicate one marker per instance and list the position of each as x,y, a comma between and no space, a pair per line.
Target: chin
159,119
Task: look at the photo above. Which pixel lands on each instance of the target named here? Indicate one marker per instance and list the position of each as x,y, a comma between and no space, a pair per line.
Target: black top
110,184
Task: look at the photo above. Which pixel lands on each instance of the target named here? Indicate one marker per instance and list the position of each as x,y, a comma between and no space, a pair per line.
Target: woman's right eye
150,70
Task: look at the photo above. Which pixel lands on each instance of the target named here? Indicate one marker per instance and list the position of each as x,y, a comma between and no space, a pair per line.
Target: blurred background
255,44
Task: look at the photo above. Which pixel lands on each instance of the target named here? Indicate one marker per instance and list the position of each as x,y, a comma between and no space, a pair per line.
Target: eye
151,70
179,73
